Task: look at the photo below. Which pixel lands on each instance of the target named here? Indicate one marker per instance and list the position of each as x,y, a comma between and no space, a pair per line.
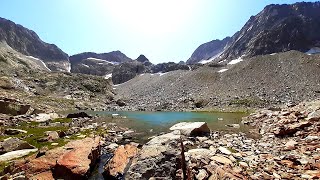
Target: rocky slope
208,50
97,64
277,28
255,82
28,43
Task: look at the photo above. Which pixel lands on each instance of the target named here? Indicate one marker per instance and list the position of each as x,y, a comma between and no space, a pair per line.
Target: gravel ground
262,81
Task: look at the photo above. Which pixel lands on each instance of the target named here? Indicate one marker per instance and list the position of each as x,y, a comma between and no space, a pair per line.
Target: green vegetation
62,120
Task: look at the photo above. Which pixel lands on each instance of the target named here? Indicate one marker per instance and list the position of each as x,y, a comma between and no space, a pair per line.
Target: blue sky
166,30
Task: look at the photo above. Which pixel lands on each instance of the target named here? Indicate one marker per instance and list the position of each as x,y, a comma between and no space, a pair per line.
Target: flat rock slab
16,154
120,160
192,128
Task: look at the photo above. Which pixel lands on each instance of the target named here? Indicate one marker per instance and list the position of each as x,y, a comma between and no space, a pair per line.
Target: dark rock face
278,28
128,70
145,61
208,50
28,43
170,66
97,64
78,115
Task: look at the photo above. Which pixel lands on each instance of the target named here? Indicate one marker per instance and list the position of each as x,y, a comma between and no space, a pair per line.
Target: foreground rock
16,154
73,161
122,155
191,128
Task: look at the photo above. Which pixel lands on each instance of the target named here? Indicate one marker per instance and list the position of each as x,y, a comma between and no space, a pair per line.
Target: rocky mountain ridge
277,28
28,43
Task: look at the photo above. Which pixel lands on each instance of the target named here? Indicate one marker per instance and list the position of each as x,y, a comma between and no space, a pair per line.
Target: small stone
202,174
224,150
277,176
243,164
233,125
221,159
290,145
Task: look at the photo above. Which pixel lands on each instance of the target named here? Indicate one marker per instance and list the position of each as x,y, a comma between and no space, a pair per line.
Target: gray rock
13,144
14,131
16,154
192,128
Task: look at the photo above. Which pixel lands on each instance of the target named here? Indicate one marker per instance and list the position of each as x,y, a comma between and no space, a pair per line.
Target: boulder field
283,144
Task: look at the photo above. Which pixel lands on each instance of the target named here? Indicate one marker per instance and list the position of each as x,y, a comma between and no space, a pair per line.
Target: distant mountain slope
277,28
28,43
208,50
97,64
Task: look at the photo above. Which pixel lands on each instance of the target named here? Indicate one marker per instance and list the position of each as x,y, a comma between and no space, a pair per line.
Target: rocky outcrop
97,64
122,156
208,50
170,66
128,70
73,161
192,128
13,107
28,43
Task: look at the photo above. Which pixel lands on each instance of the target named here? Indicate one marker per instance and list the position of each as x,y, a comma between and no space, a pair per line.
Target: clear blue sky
163,30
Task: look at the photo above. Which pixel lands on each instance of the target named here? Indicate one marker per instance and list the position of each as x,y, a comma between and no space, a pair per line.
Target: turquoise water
147,124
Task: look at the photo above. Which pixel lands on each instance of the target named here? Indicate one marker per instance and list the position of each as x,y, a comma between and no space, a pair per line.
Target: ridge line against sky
166,30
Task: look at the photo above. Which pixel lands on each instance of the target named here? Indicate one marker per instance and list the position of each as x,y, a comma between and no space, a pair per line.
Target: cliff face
28,43
278,28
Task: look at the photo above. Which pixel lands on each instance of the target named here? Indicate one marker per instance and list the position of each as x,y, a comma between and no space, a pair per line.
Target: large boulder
73,161
13,107
192,128
13,144
157,158
79,115
43,117
122,155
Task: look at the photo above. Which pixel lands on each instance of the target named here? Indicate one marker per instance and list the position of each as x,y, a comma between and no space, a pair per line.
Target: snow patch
273,54
108,76
314,50
102,60
222,70
222,61
235,61
40,62
85,65
189,68
141,74
205,61
161,74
